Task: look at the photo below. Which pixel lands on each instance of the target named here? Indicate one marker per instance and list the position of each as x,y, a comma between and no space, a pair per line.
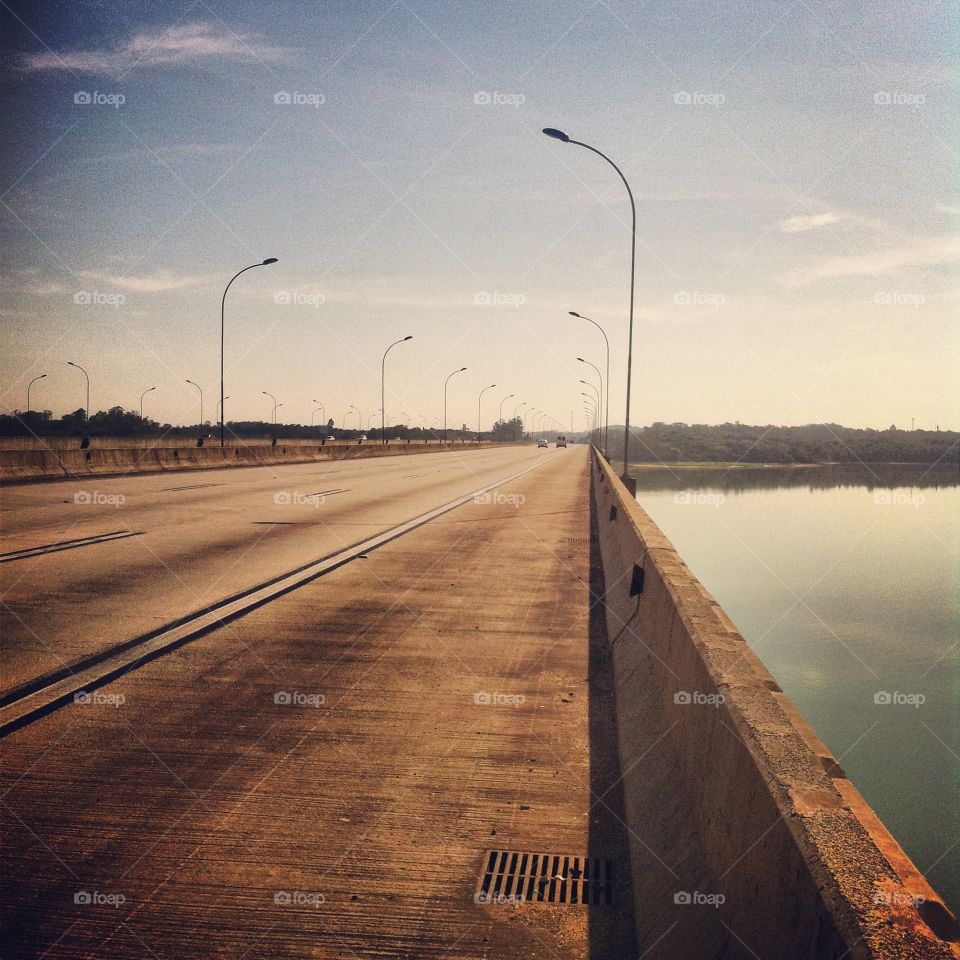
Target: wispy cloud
927,252
180,46
815,221
160,281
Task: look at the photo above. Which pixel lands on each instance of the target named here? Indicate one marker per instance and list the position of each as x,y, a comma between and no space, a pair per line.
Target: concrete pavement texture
327,775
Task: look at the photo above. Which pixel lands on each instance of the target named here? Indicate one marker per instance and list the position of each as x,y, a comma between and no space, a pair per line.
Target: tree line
812,443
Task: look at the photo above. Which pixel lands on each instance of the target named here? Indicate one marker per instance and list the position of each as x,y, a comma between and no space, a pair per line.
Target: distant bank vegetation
812,443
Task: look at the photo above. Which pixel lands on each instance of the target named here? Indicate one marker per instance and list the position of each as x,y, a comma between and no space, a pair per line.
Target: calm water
845,582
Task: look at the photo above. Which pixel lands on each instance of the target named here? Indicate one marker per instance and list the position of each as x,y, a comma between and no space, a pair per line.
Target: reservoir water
844,580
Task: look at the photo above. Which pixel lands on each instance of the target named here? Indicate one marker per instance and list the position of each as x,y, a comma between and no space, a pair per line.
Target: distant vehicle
542,443
362,436
561,441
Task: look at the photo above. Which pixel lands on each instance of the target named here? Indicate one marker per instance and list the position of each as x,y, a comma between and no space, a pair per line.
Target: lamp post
313,415
603,404
217,409
344,418
516,410
197,385
273,415
223,303
86,409
142,395
319,407
561,136
500,414
479,399
29,385
593,387
445,382
606,399
590,400
383,400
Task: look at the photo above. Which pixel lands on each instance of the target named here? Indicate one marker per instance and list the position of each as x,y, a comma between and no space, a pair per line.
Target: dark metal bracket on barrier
636,582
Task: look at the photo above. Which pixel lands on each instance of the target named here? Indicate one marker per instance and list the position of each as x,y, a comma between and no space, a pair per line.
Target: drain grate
579,540
510,876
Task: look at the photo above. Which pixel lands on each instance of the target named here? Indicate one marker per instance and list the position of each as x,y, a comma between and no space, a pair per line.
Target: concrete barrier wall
19,466
168,442
747,840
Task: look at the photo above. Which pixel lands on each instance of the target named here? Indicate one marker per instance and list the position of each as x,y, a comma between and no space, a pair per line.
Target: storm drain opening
511,876
579,540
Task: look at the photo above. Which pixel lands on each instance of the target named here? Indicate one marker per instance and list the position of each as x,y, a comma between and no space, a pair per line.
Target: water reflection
828,477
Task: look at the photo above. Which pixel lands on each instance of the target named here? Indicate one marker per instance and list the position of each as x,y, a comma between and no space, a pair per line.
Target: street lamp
273,415
347,414
500,415
86,409
606,400
319,407
560,135
197,385
482,392
29,385
383,401
142,395
516,410
217,410
593,387
223,302
445,382
600,399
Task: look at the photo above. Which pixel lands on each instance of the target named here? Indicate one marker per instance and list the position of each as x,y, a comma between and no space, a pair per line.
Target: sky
794,167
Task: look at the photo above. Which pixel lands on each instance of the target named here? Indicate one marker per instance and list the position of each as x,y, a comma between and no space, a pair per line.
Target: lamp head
405,339
556,134
268,261
573,313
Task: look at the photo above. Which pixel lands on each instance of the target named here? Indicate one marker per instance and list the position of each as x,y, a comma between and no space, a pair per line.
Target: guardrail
747,838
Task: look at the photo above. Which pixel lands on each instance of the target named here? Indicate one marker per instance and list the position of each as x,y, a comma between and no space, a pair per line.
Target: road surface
326,775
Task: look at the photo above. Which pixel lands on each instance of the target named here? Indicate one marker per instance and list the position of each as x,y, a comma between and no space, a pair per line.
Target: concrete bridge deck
449,694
